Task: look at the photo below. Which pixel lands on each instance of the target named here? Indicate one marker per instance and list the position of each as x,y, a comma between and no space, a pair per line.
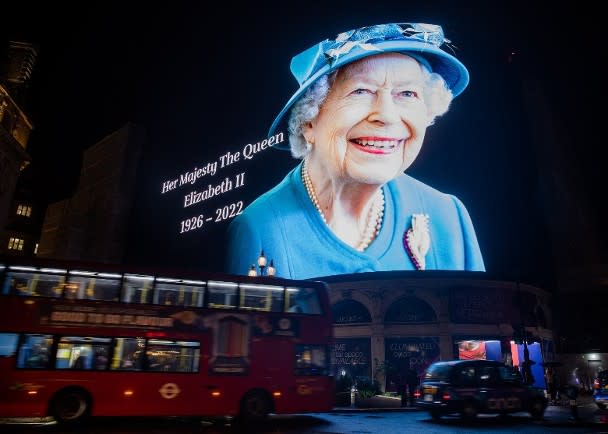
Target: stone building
387,322
15,127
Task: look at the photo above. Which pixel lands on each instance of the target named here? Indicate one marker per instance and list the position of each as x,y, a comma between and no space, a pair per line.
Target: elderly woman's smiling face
372,124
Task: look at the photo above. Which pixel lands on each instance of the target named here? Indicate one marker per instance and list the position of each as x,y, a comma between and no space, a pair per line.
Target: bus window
8,344
173,292
137,288
222,295
262,297
127,354
36,283
302,300
35,351
173,356
16,285
79,352
311,360
87,285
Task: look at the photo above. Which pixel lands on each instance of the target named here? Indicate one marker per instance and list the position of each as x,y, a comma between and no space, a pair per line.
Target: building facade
388,322
15,128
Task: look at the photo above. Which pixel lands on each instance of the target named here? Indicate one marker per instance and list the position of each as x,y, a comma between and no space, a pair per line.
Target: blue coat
284,223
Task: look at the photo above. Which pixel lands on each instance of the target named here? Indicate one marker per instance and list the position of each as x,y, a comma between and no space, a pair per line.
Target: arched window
349,312
410,310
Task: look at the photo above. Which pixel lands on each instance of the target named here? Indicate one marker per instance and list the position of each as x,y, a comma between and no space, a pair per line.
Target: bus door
168,378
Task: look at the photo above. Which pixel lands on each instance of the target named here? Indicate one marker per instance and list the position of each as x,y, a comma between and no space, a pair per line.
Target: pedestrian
412,384
402,388
550,377
572,394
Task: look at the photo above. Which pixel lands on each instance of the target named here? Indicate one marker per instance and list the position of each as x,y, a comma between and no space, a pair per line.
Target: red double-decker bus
79,341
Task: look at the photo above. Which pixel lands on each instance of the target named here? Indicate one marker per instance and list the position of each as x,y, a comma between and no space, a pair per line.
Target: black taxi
472,387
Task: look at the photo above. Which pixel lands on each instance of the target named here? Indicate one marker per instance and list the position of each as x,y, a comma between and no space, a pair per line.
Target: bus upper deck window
303,300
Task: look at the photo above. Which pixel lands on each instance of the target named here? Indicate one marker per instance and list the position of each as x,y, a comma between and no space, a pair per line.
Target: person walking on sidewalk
551,387
572,393
409,387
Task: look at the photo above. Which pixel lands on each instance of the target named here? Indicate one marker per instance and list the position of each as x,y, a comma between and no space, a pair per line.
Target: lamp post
262,265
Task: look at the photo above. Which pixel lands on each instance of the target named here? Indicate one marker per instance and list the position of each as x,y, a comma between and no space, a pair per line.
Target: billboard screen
341,170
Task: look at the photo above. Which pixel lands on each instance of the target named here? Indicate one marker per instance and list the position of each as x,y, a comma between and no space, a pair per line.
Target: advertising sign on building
404,353
351,356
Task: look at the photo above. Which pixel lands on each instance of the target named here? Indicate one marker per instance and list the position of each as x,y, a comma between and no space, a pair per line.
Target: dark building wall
92,224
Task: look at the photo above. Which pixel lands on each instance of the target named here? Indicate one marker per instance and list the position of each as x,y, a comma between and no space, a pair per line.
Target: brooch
417,240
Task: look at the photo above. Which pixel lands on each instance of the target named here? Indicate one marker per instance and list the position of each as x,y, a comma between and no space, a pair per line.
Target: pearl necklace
374,217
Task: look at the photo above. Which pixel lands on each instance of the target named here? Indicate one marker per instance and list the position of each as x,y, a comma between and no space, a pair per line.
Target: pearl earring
308,146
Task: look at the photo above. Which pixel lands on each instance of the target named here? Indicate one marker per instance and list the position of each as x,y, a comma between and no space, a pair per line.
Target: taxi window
487,375
508,373
465,376
438,373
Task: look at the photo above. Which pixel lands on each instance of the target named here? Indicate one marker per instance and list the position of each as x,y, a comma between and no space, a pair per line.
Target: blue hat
420,41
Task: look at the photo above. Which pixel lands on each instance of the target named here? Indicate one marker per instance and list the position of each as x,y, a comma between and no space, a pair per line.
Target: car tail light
446,396
417,394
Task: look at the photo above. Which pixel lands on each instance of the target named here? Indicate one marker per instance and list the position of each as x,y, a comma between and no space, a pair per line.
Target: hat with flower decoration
420,41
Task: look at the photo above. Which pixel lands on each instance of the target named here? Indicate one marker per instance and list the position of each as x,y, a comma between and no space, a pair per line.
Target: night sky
203,80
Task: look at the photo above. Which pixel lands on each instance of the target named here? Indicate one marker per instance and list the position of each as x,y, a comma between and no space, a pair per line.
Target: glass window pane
83,352
137,288
128,354
178,293
303,300
93,288
262,297
173,356
34,283
35,351
8,344
312,360
222,295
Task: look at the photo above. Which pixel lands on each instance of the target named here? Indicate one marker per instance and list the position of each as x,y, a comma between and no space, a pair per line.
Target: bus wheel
70,406
255,406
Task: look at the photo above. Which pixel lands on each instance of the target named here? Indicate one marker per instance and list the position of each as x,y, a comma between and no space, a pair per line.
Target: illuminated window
24,210
15,243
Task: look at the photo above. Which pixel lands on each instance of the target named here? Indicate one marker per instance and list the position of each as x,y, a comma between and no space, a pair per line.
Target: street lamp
262,265
262,262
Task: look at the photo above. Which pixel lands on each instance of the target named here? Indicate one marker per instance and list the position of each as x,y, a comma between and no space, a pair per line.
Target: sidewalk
555,415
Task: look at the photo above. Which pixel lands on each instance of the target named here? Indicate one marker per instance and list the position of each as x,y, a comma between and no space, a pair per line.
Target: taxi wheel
537,409
469,411
435,414
601,405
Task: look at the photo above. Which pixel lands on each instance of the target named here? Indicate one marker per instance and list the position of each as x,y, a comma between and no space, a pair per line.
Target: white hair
437,98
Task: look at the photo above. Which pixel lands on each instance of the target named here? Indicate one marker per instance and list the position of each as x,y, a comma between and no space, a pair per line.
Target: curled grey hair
437,97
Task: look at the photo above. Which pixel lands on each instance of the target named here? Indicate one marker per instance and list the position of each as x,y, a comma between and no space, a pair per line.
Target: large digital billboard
325,188
397,140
